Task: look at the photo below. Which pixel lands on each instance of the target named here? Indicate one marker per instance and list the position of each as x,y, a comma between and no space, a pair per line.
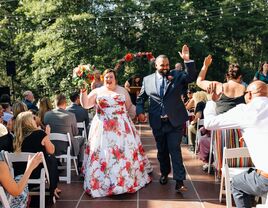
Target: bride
115,161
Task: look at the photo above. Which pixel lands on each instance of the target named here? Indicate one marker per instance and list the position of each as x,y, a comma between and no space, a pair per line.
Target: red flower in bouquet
83,74
129,57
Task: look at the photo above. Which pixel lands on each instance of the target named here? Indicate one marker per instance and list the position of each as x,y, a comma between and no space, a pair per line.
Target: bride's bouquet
83,74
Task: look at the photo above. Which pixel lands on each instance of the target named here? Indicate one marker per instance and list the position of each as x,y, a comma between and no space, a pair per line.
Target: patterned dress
114,161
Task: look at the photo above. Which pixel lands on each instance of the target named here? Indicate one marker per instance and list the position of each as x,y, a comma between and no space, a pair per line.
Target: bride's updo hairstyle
234,72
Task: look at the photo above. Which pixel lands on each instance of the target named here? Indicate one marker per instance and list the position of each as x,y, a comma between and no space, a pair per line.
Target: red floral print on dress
103,166
110,125
127,129
95,183
121,181
141,150
103,103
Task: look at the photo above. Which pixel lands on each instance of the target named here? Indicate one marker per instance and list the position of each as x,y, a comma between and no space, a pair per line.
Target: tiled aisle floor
202,192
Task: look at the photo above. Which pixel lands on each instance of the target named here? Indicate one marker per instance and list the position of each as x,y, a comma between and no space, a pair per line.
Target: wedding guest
97,82
252,118
17,187
115,161
6,139
262,73
167,113
81,114
45,105
200,99
29,138
232,94
62,121
134,81
29,99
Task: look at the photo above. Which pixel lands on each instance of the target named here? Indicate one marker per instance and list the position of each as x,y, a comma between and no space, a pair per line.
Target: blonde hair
18,107
199,96
44,106
24,126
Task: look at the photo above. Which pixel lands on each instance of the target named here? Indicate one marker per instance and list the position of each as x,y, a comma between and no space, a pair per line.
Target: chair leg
75,166
68,170
221,188
42,195
210,153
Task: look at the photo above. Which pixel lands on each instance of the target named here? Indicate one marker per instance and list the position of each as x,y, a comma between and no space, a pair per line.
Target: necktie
162,87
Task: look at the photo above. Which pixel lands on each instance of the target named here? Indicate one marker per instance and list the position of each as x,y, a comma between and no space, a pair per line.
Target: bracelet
83,90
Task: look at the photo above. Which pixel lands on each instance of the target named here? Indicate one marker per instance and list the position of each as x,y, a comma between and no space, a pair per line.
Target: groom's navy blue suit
167,131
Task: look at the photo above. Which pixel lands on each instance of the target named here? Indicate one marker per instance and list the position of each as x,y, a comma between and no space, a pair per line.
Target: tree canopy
48,38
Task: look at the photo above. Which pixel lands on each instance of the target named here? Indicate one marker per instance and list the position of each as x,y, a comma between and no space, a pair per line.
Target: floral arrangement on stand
83,74
129,57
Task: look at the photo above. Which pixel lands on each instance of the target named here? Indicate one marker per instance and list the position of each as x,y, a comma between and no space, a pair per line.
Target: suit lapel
155,86
167,86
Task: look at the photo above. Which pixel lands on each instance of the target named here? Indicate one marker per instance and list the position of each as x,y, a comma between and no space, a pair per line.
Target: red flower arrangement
83,74
129,57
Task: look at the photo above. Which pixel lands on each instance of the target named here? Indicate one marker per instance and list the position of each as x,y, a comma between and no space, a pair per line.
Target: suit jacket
81,113
171,101
62,121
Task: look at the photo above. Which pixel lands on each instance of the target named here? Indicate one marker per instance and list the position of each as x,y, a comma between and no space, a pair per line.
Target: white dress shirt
252,119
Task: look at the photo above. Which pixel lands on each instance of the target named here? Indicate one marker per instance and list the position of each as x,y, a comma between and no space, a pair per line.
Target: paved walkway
202,192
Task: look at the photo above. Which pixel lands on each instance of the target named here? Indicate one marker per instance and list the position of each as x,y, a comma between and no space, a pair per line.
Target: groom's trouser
168,142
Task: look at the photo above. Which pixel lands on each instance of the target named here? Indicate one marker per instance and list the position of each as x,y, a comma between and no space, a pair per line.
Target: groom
167,113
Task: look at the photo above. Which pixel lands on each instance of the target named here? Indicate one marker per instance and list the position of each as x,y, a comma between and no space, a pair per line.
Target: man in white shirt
252,119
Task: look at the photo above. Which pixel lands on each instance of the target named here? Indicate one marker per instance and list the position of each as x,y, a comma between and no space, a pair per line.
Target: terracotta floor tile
120,197
169,204
108,204
71,191
64,204
155,190
213,204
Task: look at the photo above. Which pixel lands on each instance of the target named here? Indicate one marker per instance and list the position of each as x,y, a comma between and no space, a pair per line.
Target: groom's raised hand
185,53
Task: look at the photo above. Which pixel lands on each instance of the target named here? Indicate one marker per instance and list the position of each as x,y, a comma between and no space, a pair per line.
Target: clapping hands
207,61
211,90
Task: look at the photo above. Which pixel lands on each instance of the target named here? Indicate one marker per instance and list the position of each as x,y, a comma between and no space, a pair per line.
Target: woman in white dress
115,161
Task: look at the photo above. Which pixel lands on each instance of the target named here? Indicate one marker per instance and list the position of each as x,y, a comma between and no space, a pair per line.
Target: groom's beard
164,72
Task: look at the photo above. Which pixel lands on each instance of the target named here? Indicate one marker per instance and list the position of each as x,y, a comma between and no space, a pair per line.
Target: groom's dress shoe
163,179
180,186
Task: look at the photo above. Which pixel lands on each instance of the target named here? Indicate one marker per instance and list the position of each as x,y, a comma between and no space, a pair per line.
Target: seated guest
62,121
252,119
31,139
204,147
189,104
200,99
18,188
262,73
81,114
29,99
134,81
7,112
17,108
45,105
6,139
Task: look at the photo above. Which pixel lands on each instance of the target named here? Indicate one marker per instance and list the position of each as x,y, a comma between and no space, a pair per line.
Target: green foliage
47,39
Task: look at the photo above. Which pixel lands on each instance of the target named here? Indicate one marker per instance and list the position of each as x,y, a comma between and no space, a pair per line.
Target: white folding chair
199,123
229,172
264,201
67,156
82,125
3,198
44,175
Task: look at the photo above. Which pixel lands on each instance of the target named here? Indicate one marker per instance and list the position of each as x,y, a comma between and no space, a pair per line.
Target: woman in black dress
31,139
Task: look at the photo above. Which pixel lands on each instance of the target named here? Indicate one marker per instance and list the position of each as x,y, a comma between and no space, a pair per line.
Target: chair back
61,137
3,198
82,125
232,153
23,157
